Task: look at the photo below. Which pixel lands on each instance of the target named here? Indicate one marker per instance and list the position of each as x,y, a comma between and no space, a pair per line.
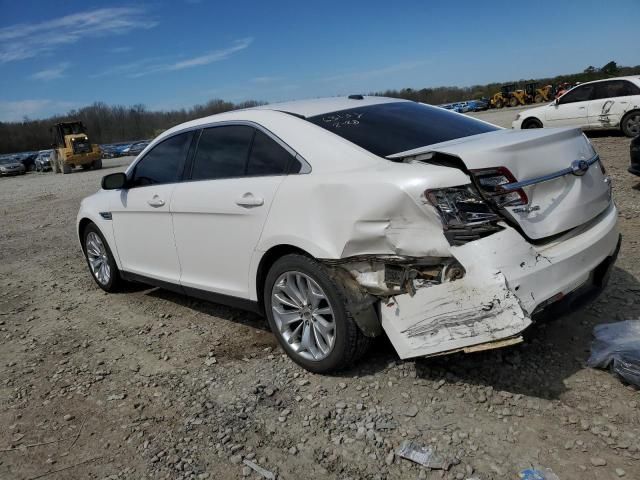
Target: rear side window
268,157
389,128
164,162
614,88
222,152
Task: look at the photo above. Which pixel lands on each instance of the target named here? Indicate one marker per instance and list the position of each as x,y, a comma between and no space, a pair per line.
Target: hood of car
538,112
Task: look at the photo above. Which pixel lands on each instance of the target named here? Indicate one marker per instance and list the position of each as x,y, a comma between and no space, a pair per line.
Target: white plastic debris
259,470
424,455
617,347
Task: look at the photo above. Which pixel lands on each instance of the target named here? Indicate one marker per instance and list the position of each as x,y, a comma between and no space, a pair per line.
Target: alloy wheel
303,316
633,125
98,258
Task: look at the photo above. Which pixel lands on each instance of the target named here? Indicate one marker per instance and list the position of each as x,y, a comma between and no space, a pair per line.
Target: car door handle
156,201
249,201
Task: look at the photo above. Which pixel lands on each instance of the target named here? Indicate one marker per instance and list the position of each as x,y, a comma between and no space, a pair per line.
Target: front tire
100,260
532,123
630,124
66,169
97,164
307,312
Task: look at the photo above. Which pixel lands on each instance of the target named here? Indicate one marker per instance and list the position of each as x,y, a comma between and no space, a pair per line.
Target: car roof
320,106
633,78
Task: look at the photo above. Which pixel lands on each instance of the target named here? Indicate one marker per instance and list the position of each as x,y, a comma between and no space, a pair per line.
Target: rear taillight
465,215
491,182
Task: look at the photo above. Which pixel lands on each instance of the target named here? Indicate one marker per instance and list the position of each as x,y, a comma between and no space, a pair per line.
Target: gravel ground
150,384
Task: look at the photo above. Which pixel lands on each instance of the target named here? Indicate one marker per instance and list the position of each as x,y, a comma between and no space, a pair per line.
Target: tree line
440,95
107,124
116,123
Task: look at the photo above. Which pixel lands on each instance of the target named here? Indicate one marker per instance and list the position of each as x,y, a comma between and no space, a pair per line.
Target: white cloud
52,73
148,66
211,57
15,111
28,40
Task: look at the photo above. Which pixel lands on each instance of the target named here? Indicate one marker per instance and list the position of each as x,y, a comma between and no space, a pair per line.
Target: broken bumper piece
507,280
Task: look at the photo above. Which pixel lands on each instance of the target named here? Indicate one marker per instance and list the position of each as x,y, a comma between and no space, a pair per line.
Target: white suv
604,104
342,219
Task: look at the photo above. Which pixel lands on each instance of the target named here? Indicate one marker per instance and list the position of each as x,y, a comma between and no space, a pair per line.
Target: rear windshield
389,128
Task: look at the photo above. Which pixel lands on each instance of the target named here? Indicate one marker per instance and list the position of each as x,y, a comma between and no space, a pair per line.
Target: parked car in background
635,156
42,162
108,151
465,107
28,160
11,166
135,148
603,104
478,105
454,107
342,219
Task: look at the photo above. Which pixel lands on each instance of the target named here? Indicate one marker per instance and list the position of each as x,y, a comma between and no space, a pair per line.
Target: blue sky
57,55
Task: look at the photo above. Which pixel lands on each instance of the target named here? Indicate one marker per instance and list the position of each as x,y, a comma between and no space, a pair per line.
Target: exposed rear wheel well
267,260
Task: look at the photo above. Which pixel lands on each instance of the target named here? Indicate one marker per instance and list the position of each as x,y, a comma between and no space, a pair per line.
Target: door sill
236,302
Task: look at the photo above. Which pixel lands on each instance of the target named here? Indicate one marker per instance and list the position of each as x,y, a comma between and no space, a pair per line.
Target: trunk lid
555,204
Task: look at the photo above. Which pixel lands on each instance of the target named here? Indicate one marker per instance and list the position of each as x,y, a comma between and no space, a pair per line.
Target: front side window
581,93
222,152
388,128
163,163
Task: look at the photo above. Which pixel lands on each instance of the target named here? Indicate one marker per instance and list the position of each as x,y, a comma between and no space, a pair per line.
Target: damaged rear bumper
507,281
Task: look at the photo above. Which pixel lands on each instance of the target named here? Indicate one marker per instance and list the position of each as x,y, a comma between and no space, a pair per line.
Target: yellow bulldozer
508,96
73,147
538,95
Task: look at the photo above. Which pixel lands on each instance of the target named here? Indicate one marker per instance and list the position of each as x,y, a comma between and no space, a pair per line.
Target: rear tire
538,99
66,169
499,104
296,315
97,164
630,124
513,102
97,252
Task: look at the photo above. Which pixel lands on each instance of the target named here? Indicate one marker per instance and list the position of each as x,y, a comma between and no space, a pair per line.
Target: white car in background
342,219
613,103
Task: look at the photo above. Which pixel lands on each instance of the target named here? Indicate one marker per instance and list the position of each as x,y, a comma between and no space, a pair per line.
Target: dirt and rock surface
150,384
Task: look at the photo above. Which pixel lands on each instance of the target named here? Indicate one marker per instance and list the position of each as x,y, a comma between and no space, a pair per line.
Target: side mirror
557,101
114,181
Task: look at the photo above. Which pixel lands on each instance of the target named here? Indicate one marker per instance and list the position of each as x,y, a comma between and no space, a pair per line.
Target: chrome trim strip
545,178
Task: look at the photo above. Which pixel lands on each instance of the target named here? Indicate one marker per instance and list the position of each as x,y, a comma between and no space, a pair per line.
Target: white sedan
343,219
608,104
